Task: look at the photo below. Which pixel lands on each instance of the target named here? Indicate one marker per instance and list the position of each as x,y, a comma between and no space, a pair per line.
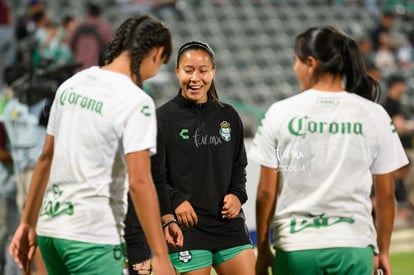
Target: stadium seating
253,41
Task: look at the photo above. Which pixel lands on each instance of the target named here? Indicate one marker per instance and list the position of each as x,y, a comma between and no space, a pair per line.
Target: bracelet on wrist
167,223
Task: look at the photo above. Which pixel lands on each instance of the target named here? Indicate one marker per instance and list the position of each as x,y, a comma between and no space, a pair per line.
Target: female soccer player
100,117
320,152
201,159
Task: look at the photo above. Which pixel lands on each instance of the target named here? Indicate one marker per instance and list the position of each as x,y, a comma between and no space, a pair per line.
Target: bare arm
24,242
385,210
265,208
144,197
38,183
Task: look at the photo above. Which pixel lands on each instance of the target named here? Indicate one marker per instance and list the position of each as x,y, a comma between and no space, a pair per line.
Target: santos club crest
225,131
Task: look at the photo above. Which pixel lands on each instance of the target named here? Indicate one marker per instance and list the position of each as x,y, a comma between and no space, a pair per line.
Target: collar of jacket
180,100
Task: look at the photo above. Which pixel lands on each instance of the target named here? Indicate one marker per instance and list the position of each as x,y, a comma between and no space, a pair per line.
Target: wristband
167,223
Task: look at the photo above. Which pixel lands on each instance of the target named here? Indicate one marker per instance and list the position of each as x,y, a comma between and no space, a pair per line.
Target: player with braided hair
101,125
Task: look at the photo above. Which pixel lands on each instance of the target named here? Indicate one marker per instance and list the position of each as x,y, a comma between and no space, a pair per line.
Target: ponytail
338,54
213,93
356,78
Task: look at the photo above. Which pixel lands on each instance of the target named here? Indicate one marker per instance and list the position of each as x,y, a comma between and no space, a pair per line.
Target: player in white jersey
101,124
320,153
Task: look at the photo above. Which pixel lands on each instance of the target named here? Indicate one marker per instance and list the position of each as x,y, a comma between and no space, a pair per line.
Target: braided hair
139,35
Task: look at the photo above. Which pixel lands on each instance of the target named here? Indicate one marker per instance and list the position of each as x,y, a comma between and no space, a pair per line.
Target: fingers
186,215
31,252
231,206
174,235
23,247
188,219
229,212
170,240
14,252
194,217
179,238
182,220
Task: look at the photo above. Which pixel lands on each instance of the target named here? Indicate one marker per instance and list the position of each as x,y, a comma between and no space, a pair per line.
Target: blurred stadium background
253,42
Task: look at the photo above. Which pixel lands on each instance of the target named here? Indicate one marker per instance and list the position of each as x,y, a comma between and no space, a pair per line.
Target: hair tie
195,44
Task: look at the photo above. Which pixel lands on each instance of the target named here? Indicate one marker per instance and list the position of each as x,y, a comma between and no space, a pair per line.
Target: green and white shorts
71,257
190,260
339,261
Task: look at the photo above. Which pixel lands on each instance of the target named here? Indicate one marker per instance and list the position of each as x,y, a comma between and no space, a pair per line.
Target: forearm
36,191
265,205
264,214
385,211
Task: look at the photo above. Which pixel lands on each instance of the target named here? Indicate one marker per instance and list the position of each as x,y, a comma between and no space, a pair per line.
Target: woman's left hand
231,206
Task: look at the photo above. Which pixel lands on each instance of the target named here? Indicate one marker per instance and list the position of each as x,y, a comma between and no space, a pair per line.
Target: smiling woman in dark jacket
201,161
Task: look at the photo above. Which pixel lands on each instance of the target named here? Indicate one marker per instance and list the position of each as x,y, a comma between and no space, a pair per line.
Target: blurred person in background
320,152
9,215
7,41
25,133
383,44
381,34
52,51
373,71
90,37
70,25
384,57
406,53
41,21
201,160
25,24
365,47
101,125
404,125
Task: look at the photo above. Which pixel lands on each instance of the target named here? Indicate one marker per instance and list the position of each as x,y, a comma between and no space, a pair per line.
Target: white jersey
97,117
326,146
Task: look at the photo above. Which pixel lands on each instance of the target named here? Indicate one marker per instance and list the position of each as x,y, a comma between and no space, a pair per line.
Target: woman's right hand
383,263
186,215
174,235
162,265
23,247
264,262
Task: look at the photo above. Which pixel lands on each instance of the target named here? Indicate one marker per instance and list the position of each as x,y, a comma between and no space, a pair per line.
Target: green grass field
402,263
